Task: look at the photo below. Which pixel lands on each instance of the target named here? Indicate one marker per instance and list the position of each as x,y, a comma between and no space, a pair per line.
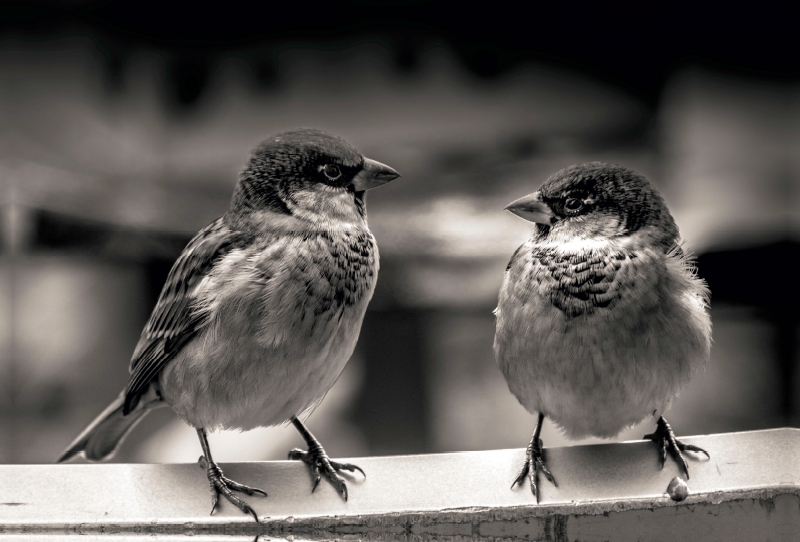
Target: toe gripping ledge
748,490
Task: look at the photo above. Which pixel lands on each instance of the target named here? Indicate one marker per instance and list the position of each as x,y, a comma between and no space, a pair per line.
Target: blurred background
123,126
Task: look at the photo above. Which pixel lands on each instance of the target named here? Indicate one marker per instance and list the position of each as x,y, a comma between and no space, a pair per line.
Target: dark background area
123,125
634,49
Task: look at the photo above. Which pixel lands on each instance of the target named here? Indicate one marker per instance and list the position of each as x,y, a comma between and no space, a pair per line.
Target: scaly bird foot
226,486
322,465
534,462
665,440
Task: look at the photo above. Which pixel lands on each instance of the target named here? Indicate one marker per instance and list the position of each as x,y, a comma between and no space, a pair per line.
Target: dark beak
532,209
373,175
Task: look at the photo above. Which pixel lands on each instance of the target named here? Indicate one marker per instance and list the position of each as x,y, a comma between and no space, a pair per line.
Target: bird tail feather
102,437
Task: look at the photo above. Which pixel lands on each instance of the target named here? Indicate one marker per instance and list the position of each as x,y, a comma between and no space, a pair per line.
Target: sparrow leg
320,463
666,441
534,462
220,484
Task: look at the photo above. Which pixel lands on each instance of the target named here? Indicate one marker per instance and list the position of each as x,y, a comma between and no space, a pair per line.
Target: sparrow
601,319
262,309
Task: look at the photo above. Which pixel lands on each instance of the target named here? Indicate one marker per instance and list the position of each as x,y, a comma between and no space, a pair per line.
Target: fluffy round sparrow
601,320
262,309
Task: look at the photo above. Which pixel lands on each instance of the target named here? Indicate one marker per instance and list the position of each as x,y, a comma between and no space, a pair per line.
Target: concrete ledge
749,490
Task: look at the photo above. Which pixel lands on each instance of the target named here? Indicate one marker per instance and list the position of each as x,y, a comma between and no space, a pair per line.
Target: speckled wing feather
174,320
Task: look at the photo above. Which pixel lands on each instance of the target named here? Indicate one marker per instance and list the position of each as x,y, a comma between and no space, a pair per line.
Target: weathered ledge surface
748,490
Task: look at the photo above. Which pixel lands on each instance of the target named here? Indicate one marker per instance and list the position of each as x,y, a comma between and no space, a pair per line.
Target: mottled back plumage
174,320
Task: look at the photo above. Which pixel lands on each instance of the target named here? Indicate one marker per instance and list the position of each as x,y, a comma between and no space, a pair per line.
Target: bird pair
600,320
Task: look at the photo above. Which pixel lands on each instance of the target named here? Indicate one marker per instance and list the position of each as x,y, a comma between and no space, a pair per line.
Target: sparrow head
597,200
307,173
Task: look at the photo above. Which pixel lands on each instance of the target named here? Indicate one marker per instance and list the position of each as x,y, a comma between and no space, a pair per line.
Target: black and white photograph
413,270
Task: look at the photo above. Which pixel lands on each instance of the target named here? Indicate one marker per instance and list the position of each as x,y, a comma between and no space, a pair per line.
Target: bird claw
322,465
666,441
534,463
349,467
219,484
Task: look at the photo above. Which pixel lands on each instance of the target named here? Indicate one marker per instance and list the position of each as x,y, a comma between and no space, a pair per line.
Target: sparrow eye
332,172
573,204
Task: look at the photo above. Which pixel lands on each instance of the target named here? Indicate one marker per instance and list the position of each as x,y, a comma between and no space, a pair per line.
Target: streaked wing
174,320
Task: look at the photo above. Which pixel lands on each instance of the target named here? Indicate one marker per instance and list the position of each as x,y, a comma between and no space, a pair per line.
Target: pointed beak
532,209
373,175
